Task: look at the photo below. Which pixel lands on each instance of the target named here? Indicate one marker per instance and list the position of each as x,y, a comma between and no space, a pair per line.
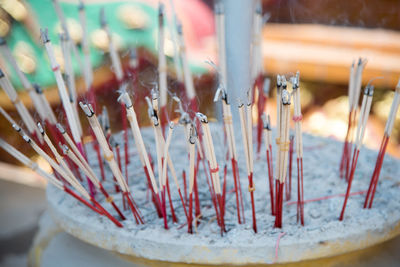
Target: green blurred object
47,18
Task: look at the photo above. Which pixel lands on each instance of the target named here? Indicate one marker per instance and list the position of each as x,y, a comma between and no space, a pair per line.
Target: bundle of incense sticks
246,123
354,91
161,160
60,167
283,149
214,169
109,157
369,198
221,94
361,126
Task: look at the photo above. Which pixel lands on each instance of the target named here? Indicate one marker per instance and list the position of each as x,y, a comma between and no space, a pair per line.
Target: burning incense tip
44,35
87,109
202,117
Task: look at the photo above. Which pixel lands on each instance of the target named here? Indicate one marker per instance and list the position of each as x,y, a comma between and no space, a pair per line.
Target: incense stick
189,86
227,116
214,168
297,119
283,152
109,156
6,52
362,122
177,49
268,147
87,70
115,60
369,198
22,110
162,67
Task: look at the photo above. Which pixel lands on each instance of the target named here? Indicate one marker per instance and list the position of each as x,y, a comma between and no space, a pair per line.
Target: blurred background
320,39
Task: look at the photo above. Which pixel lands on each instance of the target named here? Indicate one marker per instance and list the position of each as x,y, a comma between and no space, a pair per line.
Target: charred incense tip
2,41
285,97
278,81
64,147
103,21
160,14
86,109
26,138
369,90
16,127
266,86
40,127
193,134
125,99
171,125
266,121
154,94
1,74
202,117
81,5
219,94
295,81
284,83
37,88
60,128
179,28
258,8
113,142
218,8
154,120
132,54
44,35
240,103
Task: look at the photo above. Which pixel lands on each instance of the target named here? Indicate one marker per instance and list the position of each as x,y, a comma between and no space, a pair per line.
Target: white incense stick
6,52
70,77
192,147
177,51
71,180
284,145
51,117
62,91
364,114
108,154
22,110
165,154
220,32
131,116
393,111
64,26
210,155
30,164
297,116
191,94
87,171
162,63
87,70
358,80
115,60
243,127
